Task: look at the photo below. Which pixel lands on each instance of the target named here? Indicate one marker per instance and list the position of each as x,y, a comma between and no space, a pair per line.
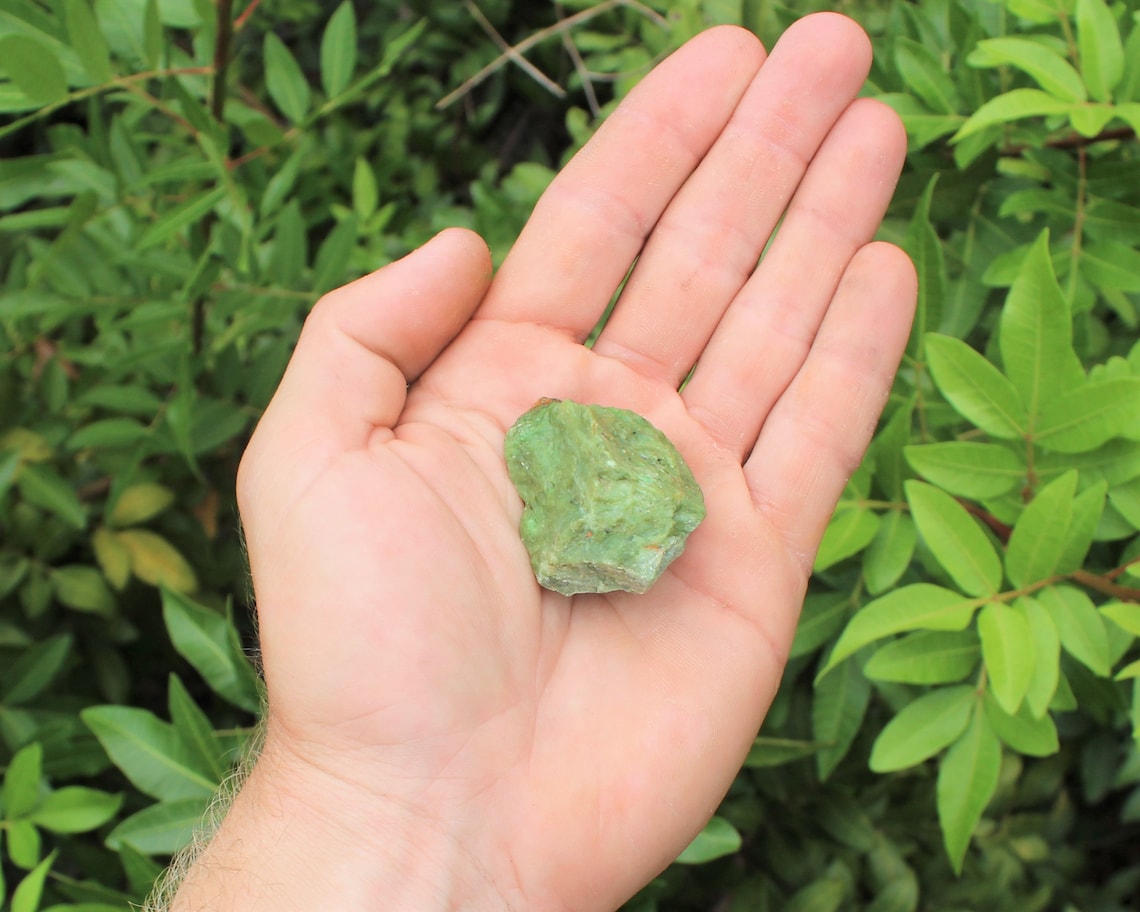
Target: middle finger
709,239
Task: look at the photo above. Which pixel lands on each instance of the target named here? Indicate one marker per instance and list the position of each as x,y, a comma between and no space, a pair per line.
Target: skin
444,734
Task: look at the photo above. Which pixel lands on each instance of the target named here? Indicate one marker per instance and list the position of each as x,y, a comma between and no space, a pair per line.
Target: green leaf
82,588
21,790
86,37
923,74
1101,50
1026,734
1084,418
33,68
969,469
1047,658
924,247
967,780
24,843
925,726
1048,68
1111,265
149,752
1081,628
717,839
1087,509
26,897
1036,332
31,672
976,389
161,829
365,194
767,752
822,617
921,606
107,433
290,246
181,216
955,539
890,552
202,637
334,256
40,485
1039,537
926,657
887,451
1126,616
1005,635
839,703
1014,105
338,49
850,531
152,34
284,80
195,730
75,809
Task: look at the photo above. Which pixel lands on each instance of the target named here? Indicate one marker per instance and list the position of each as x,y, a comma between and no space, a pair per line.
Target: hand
442,733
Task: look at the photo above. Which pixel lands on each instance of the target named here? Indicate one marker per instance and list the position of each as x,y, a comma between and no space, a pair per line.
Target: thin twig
1100,584
529,68
241,20
581,69
538,37
222,44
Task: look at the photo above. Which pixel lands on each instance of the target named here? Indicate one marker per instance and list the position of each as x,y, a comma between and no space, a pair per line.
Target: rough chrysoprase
608,500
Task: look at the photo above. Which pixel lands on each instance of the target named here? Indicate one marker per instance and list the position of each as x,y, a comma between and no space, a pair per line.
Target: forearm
286,845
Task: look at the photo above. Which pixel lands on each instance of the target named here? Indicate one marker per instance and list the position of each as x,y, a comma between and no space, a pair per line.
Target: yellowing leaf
154,560
31,446
139,503
113,557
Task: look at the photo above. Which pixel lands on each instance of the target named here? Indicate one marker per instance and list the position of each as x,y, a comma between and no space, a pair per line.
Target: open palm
568,748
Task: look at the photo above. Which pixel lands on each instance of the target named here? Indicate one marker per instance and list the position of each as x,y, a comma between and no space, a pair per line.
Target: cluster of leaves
971,630
182,179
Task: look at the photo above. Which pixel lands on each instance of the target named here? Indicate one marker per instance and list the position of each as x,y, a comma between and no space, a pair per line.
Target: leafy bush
957,728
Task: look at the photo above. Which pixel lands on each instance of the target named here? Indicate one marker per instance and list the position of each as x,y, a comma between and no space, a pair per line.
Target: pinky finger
816,434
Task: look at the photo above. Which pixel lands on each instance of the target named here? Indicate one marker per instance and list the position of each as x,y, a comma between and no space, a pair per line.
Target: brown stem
1000,529
1105,585
222,44
239,24
1075,141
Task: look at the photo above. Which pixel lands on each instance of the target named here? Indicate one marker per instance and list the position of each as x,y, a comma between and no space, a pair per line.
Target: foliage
958,723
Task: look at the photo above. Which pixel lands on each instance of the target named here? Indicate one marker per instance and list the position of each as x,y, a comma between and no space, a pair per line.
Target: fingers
360,348
593,219
817,432
769,328
710,237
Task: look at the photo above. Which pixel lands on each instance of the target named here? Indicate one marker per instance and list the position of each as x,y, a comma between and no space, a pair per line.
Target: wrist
297,838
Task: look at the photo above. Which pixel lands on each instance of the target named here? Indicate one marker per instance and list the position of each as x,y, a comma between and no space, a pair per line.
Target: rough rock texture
608,499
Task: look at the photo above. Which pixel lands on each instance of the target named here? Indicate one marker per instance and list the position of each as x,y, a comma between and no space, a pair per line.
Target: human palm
572,746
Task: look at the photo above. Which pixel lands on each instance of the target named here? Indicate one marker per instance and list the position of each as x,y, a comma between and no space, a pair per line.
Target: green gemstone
607,500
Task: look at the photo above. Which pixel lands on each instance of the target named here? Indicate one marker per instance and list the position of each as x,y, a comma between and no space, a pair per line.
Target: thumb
360,347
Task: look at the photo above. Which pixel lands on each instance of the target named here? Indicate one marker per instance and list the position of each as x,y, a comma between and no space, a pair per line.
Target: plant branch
1105,585
1073,141
514,56
580,68
223,43
241,20
558,28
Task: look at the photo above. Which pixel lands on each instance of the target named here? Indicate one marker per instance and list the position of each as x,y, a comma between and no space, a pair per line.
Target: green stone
607,500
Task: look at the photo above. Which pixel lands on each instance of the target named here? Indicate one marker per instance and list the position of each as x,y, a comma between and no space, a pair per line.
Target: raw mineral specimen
608,500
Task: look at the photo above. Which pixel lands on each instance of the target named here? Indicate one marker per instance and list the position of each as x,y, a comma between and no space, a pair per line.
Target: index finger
594,218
